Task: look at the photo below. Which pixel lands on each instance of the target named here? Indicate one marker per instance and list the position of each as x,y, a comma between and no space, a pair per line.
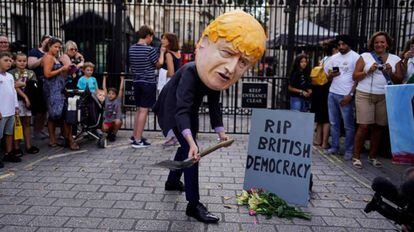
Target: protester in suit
229,46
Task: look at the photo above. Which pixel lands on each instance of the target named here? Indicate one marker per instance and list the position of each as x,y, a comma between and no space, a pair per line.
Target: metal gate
104,29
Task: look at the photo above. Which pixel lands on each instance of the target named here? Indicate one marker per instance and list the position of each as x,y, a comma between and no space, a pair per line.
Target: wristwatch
351,94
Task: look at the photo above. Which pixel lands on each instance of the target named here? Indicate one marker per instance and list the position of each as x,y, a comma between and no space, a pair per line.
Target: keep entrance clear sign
280,154
129,98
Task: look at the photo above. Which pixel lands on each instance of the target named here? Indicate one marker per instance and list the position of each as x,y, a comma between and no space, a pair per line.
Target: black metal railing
104,30
236,118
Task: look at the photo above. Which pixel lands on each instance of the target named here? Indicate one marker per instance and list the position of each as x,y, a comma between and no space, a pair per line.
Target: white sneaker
132,139
140,144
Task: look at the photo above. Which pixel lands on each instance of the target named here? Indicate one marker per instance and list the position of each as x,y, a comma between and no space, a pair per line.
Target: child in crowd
112,111
8,108
87,80
300,84
101,95
21,77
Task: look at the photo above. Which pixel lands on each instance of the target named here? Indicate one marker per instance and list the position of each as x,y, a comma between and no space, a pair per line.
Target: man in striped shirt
143,60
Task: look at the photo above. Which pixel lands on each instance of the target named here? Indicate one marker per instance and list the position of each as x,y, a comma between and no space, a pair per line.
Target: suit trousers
192,193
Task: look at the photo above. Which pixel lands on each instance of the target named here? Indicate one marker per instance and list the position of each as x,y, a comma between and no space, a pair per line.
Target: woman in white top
373,71
406,65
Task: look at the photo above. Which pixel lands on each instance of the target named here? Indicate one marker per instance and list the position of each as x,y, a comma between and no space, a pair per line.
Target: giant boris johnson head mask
229,46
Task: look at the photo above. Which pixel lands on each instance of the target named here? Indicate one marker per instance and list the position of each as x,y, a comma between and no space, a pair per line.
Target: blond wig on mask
241,29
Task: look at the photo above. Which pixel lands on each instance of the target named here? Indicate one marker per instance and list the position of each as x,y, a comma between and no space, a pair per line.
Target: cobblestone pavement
117,189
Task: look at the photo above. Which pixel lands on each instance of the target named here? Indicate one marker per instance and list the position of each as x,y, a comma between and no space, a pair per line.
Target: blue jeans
299,104
336,111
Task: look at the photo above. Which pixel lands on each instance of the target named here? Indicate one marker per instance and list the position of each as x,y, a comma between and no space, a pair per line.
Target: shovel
175,165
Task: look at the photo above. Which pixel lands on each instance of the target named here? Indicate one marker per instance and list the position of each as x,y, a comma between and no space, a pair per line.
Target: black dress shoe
170,186
199,212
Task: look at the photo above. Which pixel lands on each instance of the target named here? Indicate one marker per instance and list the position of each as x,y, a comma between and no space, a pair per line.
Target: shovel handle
211,149
217,146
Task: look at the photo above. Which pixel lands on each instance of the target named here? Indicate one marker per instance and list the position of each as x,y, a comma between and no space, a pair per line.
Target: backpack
318,76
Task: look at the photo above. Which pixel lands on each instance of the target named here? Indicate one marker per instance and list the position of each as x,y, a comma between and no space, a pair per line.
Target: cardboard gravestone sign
254,95
280,153
129,98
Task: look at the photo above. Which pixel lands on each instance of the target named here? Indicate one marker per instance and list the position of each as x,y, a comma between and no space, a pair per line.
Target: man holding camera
339,69
401,211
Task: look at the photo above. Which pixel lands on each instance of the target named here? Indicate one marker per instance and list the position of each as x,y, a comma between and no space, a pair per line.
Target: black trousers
192,193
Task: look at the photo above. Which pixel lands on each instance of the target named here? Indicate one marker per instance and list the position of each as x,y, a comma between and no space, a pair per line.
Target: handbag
71,114
162,79
318,76
18,129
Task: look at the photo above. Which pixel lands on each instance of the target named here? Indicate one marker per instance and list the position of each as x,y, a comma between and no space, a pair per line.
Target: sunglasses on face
54,40
73,49
4,42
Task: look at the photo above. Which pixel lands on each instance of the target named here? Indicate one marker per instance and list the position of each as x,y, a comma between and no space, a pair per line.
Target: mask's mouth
224,77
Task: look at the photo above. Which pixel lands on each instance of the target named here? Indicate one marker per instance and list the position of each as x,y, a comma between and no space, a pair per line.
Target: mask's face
219,64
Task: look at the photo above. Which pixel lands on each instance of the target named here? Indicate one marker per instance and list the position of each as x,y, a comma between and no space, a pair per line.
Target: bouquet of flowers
268,204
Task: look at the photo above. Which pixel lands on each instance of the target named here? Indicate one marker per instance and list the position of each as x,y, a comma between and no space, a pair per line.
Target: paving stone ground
117,189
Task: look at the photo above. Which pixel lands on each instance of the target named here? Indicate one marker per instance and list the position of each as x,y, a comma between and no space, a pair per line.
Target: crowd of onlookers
35,85
346,91
34,88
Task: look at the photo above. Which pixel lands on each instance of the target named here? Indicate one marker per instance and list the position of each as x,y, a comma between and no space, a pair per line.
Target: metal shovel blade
175,165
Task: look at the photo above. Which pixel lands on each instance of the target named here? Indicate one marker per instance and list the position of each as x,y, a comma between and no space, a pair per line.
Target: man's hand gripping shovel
175,165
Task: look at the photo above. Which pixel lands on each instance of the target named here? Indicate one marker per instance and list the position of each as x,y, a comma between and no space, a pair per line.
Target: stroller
86,112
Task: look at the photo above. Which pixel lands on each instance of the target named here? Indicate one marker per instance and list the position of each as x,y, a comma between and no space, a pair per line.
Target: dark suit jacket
180,99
